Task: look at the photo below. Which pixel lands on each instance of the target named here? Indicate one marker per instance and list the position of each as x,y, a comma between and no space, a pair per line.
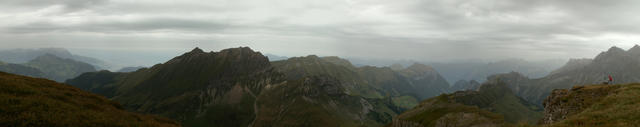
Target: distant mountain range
240,87
623,66
20,69
49,66
130,69
454,72
20,56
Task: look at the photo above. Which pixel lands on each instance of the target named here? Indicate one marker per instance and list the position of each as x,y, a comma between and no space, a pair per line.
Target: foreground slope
493,105
38,102
594,105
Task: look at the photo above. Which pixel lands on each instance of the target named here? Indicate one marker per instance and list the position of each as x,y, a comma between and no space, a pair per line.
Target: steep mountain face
463,85
492,105
419,81
198,88
425,80
623,66
573,64
317,101
38,102
20,56
20,70
59,69
240,87
593,105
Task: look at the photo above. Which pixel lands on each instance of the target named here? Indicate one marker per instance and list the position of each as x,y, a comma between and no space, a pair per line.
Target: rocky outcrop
563,103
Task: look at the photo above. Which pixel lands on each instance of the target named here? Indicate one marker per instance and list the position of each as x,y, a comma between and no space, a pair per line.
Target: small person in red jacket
610,80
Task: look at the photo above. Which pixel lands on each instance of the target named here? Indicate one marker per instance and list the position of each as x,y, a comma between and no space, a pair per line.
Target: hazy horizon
153,31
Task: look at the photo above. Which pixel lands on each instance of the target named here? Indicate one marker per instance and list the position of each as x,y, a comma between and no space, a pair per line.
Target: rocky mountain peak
231,54
614,54
239,50
635,50
197,50
615,49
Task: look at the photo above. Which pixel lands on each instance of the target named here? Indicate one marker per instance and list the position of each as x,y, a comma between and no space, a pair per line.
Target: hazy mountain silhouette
457,71
20,56
59,69
20,69
130,69
623,66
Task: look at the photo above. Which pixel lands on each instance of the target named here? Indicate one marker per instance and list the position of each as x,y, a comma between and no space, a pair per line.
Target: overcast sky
424,30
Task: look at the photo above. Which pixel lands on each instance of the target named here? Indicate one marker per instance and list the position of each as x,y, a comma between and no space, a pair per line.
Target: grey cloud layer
430,30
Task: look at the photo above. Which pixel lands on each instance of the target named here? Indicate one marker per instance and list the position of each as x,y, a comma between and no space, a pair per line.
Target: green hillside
441,111
418,81
318,101
493,105
594,105
39,102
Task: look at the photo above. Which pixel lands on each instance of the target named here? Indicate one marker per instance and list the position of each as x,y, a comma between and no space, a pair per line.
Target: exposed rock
563,103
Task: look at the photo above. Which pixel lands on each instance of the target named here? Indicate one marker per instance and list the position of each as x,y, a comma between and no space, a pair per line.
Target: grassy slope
431,110
619,108
498,98
304,104
38,102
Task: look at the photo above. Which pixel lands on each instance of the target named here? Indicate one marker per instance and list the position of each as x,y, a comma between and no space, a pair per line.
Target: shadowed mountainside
30,101
240,87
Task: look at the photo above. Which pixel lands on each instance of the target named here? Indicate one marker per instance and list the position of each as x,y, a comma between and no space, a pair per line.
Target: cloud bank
424,30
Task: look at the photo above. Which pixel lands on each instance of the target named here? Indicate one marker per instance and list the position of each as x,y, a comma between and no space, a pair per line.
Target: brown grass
27,101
